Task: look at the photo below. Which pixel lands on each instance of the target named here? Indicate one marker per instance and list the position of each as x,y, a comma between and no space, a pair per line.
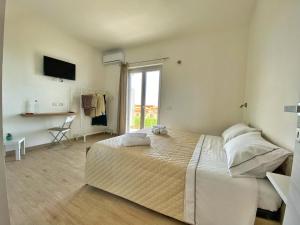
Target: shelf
48,114
281,183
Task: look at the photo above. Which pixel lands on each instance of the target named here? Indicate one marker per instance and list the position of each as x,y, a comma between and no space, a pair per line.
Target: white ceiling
124,23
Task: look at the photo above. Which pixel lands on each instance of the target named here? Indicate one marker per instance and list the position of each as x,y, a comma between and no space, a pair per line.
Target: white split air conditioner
113,57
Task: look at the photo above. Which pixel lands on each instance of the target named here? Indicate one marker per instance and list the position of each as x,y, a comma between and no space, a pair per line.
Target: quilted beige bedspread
152,176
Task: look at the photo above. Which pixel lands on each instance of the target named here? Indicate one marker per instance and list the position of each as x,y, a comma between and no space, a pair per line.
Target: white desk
17,144
281,184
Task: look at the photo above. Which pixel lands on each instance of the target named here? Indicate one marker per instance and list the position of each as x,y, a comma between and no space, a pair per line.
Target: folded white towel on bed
129,140
159,129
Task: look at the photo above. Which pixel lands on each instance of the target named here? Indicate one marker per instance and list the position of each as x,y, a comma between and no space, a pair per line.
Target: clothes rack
86,91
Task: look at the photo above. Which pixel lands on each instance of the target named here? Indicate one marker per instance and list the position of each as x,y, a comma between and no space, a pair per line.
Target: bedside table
281,183
17,145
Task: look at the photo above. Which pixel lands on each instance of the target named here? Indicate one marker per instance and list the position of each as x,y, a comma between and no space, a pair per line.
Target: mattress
152,176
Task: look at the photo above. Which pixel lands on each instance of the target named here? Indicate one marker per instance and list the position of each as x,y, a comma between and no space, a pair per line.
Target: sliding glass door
143,98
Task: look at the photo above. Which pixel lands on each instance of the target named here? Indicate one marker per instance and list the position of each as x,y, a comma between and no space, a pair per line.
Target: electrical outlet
61,104
54,104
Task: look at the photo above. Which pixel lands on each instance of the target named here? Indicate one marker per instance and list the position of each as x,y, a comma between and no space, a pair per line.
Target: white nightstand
281,184
16,144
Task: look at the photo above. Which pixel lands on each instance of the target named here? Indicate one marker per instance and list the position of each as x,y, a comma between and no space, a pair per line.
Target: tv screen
60,69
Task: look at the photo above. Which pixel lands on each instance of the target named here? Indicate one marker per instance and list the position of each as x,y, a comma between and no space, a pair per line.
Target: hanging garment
101,119
100,106
89,103
86,101
91,112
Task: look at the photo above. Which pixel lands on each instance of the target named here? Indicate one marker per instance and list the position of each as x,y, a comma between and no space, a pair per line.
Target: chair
59,133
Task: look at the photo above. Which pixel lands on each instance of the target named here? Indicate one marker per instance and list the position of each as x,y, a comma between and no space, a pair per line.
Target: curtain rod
150,60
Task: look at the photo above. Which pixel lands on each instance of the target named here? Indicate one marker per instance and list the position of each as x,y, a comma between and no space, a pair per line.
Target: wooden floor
47,187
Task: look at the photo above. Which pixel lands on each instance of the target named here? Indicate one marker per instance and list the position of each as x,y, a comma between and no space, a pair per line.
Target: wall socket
59,104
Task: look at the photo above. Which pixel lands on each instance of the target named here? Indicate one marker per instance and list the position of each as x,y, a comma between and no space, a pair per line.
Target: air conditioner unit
113,57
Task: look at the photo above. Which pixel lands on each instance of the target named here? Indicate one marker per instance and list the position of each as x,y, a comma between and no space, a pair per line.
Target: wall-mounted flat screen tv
60,69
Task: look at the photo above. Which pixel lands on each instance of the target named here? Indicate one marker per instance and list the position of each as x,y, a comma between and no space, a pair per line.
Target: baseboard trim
36,147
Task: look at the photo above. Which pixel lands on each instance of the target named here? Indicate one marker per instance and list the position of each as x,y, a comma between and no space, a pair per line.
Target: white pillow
249,155
236,130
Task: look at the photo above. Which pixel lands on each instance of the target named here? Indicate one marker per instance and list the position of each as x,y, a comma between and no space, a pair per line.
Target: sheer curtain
122,99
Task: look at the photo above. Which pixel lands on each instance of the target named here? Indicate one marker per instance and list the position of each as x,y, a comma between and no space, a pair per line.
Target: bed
182,175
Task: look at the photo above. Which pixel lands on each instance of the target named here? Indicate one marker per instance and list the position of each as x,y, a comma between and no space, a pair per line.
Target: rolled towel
128,141
160,126
163,131
159,129
155,130
137,134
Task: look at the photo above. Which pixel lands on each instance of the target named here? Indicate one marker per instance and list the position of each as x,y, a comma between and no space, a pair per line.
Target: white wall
204,93
273,76
26,40
4,214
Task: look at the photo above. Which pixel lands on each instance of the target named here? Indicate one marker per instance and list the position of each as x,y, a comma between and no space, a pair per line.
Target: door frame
144,71
4,211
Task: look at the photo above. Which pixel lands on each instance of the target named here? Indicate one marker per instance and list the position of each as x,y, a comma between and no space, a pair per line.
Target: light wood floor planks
47,187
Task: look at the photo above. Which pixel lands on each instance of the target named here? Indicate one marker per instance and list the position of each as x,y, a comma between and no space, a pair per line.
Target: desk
281,183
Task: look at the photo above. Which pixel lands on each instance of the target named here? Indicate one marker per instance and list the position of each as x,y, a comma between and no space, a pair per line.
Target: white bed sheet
221,199
268,198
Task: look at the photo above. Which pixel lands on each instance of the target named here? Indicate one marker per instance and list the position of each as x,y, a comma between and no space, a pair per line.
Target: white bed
210,195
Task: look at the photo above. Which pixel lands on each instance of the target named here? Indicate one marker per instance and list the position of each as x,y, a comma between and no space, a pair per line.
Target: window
143,98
